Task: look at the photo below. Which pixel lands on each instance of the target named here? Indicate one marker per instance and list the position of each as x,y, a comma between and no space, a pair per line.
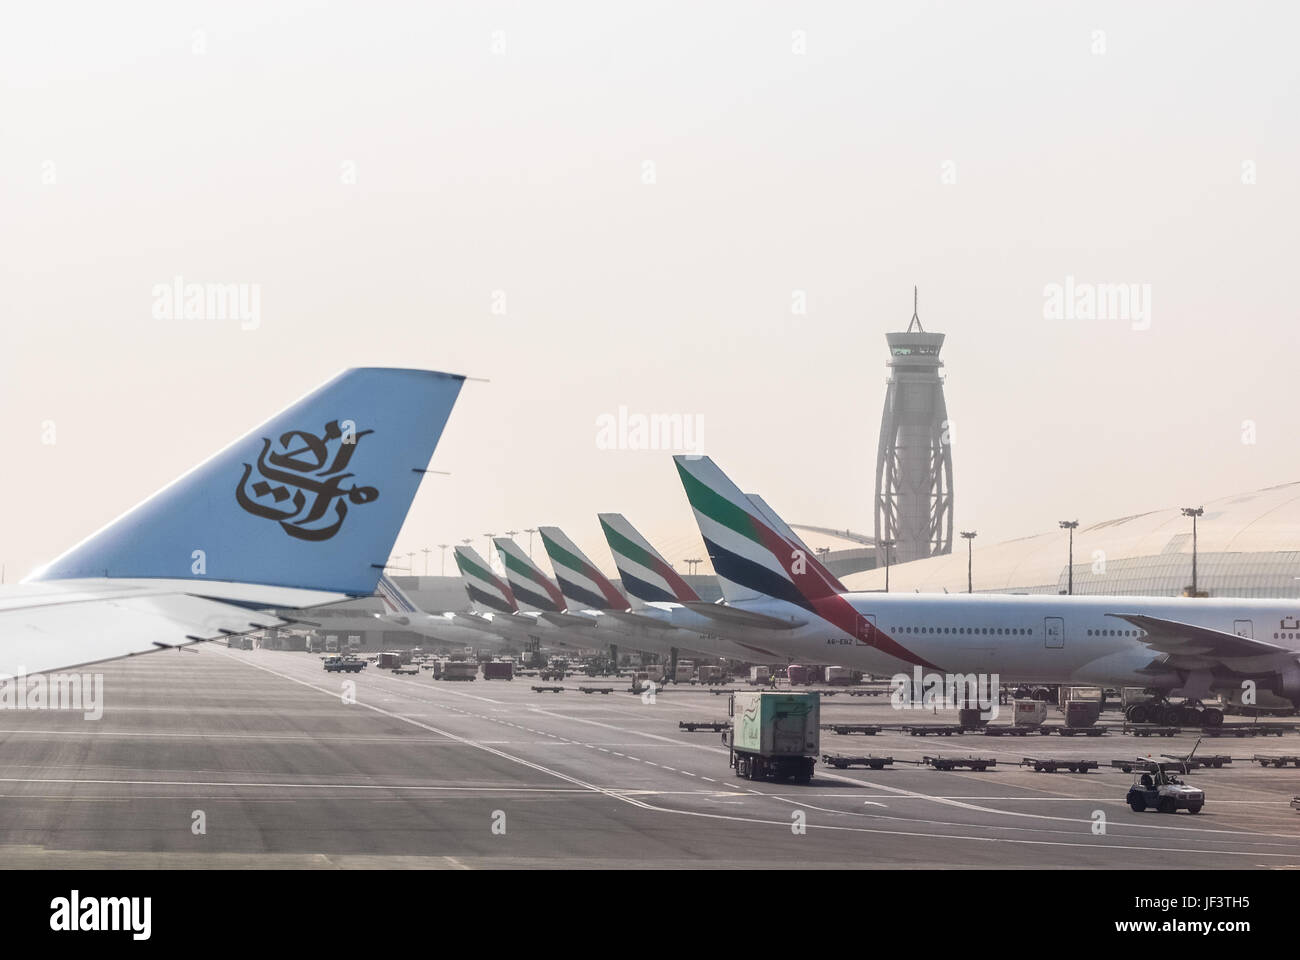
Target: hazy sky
463,186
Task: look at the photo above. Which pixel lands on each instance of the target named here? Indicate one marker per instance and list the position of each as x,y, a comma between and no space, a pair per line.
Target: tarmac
221,758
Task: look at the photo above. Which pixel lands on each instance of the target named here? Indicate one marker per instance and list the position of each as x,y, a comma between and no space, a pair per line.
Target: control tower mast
914,461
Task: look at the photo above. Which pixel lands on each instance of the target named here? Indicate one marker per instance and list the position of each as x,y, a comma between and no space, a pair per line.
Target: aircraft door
1054,632
864,640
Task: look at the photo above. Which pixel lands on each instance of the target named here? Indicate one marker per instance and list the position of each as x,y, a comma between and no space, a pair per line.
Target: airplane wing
1189,645
300,512
736,617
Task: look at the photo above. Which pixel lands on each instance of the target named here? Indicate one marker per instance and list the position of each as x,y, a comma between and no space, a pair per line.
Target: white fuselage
1041,639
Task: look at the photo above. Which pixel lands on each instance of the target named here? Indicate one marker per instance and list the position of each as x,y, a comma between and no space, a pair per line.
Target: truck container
797,674
841,675
709,674
685,671
331,644
389,660
498,670
775,736
459,670
759,674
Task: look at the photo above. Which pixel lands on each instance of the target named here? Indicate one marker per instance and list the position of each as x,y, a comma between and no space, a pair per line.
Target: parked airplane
299,512
530,587
651,579
486,590
591,596
1172,646
401,611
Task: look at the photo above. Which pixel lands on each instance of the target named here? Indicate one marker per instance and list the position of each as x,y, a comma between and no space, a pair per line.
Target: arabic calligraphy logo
306,471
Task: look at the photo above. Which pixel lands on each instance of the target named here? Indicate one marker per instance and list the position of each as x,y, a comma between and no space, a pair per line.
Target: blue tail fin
313,499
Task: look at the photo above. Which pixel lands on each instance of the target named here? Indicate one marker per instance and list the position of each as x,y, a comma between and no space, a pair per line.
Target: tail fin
528,584
776,523
395,600
645,574
484,586
750,556
314,498
580,582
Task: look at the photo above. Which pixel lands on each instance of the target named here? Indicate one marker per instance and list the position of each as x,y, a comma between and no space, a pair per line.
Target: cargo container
775,736
842,675
331,644
709,674
759,674
1081,713
459,670
1028,713
685,671
498,670
389,661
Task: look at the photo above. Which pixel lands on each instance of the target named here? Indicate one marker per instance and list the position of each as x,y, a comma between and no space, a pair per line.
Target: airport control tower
914,462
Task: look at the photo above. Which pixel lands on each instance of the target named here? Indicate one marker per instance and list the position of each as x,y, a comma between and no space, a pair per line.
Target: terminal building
1248,545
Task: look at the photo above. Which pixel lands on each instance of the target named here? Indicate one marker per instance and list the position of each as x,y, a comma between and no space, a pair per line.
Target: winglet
312,499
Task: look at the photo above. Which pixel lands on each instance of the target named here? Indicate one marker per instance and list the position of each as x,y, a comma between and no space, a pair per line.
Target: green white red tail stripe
530,586
483,586
645,574
753,560
580,582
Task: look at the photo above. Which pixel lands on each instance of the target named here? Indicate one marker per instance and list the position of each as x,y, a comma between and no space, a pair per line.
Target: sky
710,210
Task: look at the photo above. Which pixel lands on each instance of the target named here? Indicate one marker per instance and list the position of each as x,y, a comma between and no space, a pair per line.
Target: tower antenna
915,317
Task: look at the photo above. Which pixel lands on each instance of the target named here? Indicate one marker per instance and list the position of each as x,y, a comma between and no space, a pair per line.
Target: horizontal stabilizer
639,620
569,620
736,617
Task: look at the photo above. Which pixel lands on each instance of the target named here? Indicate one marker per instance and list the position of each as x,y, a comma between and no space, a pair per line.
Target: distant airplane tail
645,574
395,600
751,553
580,582
483,586
529,585
312,499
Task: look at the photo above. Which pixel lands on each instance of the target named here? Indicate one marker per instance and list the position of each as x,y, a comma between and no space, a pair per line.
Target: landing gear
1190,713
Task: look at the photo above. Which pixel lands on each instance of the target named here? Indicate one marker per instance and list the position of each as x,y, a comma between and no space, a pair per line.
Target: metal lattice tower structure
914,460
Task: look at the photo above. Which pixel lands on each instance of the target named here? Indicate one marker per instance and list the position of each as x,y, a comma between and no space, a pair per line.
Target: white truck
775,736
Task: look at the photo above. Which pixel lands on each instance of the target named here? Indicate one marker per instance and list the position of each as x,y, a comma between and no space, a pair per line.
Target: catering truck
775,736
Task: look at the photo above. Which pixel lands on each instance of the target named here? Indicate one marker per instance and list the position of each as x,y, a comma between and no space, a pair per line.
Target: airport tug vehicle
774,736
1155,786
